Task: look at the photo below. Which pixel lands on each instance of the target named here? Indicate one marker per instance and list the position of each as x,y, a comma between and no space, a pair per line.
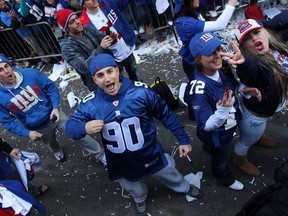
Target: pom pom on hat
63,17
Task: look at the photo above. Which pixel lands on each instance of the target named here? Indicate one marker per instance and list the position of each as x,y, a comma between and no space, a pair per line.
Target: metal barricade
159,21
38,40
33,41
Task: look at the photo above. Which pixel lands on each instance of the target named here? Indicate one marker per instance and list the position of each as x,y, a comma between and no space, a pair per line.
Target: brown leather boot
242,163
267,142
159,35
149,30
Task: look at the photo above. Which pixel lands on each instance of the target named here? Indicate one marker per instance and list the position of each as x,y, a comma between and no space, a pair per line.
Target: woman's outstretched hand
235,58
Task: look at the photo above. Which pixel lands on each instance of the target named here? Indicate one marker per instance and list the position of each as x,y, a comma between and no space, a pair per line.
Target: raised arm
223,19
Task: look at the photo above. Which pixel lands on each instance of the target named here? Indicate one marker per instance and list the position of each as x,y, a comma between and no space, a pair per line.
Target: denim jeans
251,130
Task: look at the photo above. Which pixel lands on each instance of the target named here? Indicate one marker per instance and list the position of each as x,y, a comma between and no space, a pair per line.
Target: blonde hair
280,75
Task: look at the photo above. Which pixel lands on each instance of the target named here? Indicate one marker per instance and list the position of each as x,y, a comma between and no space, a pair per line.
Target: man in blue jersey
123,111
29,107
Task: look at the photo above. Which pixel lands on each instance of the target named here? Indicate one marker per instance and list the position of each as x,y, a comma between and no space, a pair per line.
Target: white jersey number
197,87
121,134
88,97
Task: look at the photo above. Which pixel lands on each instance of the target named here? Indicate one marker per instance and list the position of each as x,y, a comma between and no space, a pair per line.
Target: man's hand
114,37
232,2
11,15
55,114
15,153
106,42
34,135
184,150
94,126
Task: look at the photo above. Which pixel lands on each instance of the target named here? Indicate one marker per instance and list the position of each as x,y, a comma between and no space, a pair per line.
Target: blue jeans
130,66
251,130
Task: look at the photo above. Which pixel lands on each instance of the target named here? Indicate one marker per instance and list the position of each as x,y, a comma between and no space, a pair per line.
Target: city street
80,186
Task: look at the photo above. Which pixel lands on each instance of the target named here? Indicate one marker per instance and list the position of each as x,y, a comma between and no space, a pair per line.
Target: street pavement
80,186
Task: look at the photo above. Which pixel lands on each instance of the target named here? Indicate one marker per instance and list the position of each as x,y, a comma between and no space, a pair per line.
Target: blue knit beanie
4,59
101,61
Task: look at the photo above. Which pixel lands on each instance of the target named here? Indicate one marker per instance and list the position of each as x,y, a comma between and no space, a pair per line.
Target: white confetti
252,181
129,204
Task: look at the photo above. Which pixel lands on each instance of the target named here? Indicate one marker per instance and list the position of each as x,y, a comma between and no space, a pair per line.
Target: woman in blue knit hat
212,96
189,21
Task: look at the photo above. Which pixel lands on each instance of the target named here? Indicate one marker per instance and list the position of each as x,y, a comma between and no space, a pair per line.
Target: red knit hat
63,17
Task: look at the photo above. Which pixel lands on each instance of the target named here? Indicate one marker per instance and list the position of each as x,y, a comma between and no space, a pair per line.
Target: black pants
219,163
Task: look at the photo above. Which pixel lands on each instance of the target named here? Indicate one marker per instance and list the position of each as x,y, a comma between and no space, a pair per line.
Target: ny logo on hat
244,26
97,66
206,37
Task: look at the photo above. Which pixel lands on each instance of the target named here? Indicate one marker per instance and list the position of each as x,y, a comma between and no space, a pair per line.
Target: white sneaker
217,7
236,186
136,32
213,13
72,99
141,208
59,156
141,29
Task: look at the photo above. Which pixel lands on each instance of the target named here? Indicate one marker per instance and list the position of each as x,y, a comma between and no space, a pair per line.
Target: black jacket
78,53
255,73
5,147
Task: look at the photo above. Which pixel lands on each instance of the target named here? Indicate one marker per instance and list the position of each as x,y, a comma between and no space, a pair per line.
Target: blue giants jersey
129,132
202,94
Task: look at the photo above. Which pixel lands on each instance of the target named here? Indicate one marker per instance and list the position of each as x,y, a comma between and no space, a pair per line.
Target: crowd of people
98,43
17,14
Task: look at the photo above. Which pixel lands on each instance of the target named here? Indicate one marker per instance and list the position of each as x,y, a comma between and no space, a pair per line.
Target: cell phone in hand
108,31
227,90
53,120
